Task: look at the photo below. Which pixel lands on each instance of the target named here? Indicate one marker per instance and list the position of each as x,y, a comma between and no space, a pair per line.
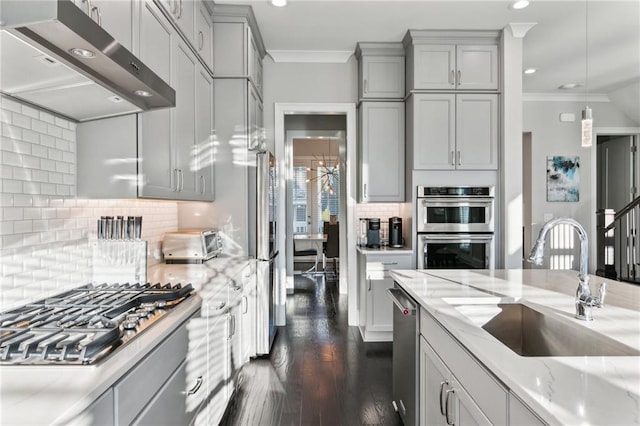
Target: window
328,189
300,192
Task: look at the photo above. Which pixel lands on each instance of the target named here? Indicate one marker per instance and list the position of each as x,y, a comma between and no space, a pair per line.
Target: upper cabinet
452,60
381,152
238,48
116,17
447,131
182,13
380,70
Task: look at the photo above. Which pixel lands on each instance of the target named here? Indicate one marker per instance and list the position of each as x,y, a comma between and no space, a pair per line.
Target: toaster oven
191,246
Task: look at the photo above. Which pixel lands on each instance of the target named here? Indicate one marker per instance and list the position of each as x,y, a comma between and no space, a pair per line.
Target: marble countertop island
564,390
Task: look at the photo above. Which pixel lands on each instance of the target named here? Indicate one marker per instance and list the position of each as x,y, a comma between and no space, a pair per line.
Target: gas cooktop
84,325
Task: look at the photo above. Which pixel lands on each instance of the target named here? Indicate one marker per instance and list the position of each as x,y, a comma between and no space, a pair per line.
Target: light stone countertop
49,394
561,390
385,250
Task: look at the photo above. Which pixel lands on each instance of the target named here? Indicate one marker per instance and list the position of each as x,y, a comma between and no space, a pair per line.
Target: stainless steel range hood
37,64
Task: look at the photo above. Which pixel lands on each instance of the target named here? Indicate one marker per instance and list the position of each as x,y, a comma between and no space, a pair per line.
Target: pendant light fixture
587,114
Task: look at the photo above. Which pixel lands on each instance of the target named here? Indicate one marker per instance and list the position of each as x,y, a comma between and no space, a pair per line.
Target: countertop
386,250
48,394
561,390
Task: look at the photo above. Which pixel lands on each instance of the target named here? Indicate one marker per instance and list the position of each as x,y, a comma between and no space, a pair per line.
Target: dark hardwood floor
319,372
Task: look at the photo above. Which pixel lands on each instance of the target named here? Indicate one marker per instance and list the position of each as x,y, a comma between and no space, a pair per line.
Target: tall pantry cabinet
381,124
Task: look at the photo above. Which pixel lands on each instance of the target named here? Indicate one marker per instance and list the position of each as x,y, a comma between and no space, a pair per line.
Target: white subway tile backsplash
45,116
44,229
21,120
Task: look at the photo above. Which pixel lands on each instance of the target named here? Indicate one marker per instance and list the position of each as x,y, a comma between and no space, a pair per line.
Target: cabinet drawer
134,391
172,404
377,263
491,396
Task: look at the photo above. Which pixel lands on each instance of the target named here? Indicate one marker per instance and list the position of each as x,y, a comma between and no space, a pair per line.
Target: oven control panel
455,191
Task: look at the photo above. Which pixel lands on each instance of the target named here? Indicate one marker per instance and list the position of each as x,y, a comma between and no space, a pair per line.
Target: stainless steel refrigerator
262,244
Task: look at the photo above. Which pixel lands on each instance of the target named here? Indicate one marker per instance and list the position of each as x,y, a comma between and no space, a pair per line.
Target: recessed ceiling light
143,93
520,4
83,53
530,70
569,86
279,3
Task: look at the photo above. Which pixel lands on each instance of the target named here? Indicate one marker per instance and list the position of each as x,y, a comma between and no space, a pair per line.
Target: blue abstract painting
563,178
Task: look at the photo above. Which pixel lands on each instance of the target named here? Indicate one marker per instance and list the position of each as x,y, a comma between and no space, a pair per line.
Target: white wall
550,137
44,228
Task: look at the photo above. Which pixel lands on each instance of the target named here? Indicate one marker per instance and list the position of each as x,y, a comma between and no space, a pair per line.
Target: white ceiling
556,45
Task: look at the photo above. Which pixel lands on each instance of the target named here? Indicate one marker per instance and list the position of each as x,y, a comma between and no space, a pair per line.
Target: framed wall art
563,178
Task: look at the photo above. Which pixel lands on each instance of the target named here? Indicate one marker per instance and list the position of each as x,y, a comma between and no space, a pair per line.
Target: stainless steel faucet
584,299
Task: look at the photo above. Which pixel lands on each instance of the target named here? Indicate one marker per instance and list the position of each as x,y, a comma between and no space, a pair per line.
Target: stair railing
618,245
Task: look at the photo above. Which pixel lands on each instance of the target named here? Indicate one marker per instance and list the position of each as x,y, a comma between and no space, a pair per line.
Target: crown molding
310,56
565,97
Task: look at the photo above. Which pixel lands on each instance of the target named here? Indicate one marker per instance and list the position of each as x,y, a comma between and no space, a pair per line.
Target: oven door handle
458,237
435,202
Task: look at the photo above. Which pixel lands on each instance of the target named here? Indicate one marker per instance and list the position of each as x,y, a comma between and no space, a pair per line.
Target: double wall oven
455,227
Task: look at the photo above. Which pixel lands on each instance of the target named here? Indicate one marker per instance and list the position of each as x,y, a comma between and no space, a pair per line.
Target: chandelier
326,172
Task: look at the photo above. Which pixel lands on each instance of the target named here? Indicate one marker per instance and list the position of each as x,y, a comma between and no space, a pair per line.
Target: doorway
284,152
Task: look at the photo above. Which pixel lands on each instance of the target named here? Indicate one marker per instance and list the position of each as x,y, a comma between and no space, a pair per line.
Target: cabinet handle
201,34
179,9
365,190
442,385
446,404
233,323
174,175
365,86
459,159
453,158
89,8
368,284
389,263
459,73
203,183
181,180
221,306
245,304
452,78
196,387
98,14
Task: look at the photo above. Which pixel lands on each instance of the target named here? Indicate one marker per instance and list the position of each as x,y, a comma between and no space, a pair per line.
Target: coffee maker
395,232
373,232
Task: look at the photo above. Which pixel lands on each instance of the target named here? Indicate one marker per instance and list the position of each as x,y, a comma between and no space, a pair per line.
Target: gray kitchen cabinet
183,13
376,308
520,414
238,46
164,153
460,384
256,119
204,35
443,401
447,131
116,17
204,135
452,60
381,151
381,71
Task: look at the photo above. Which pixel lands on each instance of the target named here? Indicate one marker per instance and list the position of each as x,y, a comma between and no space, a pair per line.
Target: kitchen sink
531,333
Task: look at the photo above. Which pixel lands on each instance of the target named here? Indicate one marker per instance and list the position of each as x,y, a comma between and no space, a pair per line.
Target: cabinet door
247,311
477,131
235,343
255,118
463,411
218,369
204,135
434,66
434,382
382,77
433,131
185,65
382,151
204,34
185,18
116,17
477,67
379,305
156,178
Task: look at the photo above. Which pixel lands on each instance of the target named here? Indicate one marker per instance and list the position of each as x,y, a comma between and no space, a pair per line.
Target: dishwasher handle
402,301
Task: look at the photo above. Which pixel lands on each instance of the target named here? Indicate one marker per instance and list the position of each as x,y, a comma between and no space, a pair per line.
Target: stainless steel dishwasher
405,355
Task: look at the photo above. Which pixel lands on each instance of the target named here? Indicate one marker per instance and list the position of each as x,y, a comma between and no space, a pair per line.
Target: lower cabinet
454,388
376,308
